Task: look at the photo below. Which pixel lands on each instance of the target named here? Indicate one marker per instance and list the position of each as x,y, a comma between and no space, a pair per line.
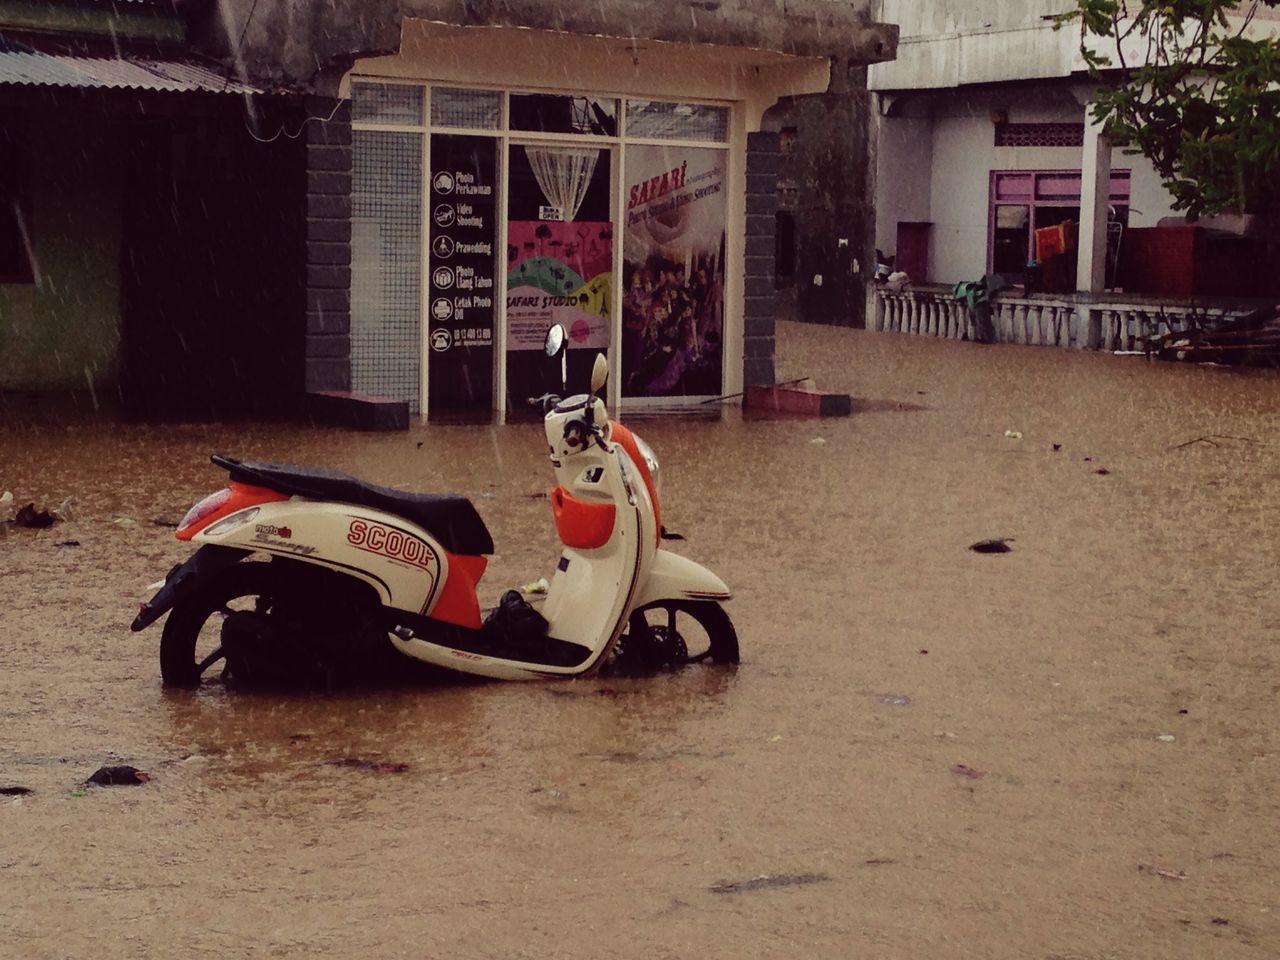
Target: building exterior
478,171
143,231
237,208
986,104
826,213
984,139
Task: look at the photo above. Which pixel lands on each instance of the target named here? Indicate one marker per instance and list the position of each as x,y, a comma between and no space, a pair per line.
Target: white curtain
564,174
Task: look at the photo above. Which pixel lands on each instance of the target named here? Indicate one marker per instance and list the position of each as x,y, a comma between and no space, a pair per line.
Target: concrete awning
798,28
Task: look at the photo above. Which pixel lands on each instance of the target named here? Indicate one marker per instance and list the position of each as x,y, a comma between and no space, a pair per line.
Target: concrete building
144,233
986,102
984,139
395,198
623,176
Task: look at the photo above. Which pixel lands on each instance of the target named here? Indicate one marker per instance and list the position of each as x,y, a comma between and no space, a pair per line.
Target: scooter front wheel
191,642
672,633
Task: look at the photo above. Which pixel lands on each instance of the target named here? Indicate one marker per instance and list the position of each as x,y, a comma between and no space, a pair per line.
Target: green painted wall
64,331
114,20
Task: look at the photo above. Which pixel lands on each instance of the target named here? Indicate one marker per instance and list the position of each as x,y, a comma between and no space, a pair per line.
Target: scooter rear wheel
701,629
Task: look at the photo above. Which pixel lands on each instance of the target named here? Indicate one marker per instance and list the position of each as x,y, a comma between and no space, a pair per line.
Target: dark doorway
212,271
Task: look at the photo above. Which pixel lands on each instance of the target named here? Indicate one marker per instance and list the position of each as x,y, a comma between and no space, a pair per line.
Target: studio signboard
462,282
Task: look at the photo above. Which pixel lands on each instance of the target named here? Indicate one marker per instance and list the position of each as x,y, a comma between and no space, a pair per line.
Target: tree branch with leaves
1192,86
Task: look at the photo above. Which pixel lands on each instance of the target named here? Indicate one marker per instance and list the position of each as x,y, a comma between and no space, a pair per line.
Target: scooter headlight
650,462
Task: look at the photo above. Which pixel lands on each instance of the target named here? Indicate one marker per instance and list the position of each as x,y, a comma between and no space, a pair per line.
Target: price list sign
461,272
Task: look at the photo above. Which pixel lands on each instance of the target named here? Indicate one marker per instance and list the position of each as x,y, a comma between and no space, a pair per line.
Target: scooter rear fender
673,577
205,563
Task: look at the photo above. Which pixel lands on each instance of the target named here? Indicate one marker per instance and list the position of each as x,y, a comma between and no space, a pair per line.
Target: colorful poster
559,273
673,274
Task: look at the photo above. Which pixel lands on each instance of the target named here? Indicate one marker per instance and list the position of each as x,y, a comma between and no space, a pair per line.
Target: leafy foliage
1197,94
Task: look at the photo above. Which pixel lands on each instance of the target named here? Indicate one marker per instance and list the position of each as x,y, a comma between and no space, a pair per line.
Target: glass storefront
579,192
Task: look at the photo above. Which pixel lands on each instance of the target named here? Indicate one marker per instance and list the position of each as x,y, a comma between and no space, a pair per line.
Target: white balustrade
1056,320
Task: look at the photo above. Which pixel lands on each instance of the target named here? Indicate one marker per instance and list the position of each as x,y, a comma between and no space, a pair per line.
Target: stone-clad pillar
328,211
758,306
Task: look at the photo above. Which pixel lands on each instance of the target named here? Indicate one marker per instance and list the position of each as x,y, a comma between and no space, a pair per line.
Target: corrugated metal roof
110,73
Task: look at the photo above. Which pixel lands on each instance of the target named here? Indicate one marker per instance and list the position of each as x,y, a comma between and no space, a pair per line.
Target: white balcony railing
1106,322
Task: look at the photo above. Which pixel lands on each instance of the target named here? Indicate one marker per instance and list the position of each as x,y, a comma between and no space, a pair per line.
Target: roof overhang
25,67
527,58
800,28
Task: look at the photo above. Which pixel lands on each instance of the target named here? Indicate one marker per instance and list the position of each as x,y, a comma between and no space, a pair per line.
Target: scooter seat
450,518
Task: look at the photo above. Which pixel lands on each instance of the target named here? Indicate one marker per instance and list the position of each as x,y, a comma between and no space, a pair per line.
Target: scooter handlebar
547,402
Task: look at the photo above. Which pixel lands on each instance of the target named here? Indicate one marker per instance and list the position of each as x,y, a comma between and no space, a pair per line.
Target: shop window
660,120
470,109
15,212
1025,201
386,264
554,113
397,103
674,271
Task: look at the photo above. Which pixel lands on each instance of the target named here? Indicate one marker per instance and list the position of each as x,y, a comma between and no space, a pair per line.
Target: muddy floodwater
1066,752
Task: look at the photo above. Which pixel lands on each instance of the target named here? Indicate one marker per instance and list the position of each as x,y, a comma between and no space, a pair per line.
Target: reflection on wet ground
975,754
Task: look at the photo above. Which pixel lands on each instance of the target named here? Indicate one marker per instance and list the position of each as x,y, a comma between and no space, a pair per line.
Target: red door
913,251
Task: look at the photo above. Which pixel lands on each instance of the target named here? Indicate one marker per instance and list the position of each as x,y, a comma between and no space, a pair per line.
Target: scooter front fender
673,577
182,579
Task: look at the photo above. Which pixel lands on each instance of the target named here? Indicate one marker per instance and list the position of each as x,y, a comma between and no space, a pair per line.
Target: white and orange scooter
307,574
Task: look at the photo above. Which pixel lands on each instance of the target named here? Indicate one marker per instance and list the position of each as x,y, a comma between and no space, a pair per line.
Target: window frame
505,135
1121,193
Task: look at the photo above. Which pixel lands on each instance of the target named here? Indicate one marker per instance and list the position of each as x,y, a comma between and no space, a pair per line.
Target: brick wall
758,307
328,209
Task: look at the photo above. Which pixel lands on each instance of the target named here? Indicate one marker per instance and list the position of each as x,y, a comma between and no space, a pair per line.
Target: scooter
307,574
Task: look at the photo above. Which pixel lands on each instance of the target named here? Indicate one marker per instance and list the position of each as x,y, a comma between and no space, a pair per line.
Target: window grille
660,120
386,264
473,109
1039,134
386,103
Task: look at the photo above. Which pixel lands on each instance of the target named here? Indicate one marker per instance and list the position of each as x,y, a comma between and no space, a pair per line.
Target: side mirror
599,373
555,341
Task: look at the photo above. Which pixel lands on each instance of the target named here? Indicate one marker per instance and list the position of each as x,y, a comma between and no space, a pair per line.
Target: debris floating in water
33,519
375,766
123,776
968,772
992,546
1165,873
15,791
769,882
